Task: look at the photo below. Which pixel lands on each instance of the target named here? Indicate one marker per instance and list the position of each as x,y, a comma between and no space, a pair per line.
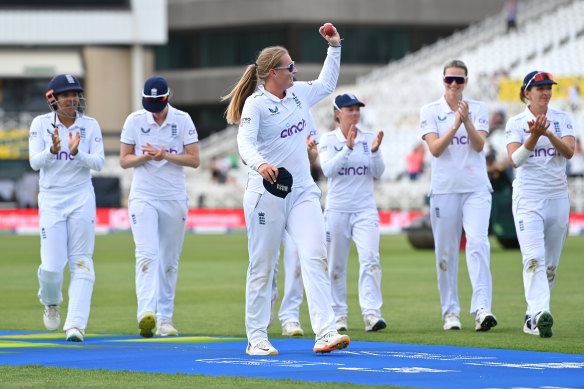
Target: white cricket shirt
350,173
543,175
459,169
64,171
160,180
274,130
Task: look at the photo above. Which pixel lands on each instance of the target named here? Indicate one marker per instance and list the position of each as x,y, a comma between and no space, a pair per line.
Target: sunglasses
539,77
155,99
458,79
290,67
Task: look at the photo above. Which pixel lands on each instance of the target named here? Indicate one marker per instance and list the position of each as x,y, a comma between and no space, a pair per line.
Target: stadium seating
550,37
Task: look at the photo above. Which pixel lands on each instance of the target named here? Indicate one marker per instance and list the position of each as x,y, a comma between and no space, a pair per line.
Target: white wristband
520,155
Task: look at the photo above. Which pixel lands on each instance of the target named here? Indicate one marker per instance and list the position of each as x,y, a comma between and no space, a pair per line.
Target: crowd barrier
108,220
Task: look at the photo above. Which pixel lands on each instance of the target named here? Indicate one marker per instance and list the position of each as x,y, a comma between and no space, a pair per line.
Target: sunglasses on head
458,79
539,77
155,99
290,67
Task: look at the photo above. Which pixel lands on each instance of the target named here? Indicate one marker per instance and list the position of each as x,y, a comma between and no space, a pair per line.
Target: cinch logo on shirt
463,140
63,155
291,130
549,152
354,171
170,151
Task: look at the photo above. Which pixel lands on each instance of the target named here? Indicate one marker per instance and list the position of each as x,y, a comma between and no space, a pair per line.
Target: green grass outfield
211,296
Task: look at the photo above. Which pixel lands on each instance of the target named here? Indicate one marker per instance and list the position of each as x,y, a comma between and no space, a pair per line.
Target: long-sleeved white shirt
63,170
274,130
350,173
543,175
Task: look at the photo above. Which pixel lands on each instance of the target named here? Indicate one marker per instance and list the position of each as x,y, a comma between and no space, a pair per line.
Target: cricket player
289,313
351,160
455,129
158,142
539,141
65,145
272,112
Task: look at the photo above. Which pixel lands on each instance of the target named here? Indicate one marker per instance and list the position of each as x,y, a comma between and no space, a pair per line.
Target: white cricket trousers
450,213
363,227
266,218
542,226
293,285
158,227
67,229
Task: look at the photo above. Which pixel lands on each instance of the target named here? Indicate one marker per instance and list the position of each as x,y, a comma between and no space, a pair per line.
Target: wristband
520,155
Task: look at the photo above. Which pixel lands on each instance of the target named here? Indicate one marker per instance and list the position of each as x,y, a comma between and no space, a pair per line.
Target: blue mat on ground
369,363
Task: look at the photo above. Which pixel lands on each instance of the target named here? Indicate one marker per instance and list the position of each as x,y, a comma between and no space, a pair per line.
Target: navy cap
283,184
347,100
155,94
537,78
64,83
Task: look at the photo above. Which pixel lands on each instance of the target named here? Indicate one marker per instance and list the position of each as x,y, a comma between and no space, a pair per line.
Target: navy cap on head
64,83
537,78
347,100
155,94
283,184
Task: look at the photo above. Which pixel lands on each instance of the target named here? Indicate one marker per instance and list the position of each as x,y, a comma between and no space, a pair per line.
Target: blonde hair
268,58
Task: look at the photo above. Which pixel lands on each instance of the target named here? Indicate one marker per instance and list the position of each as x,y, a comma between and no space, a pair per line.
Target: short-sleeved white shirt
274,130
350,173
63,170
543,175
459,169
162,180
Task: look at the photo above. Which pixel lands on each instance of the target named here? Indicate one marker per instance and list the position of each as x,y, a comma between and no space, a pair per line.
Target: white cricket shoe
75,335
264,347
374,323
165,328
527,327
51,317
342,324
484,320
330,341
452,322
146,325
292,328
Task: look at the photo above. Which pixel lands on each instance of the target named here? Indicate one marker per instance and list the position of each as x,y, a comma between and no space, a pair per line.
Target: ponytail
244,88
269,58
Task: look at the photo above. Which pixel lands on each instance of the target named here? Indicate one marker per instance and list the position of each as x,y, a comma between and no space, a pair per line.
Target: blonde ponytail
269,58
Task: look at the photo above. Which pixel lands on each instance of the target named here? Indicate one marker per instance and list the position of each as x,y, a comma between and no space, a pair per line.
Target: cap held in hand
283,184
